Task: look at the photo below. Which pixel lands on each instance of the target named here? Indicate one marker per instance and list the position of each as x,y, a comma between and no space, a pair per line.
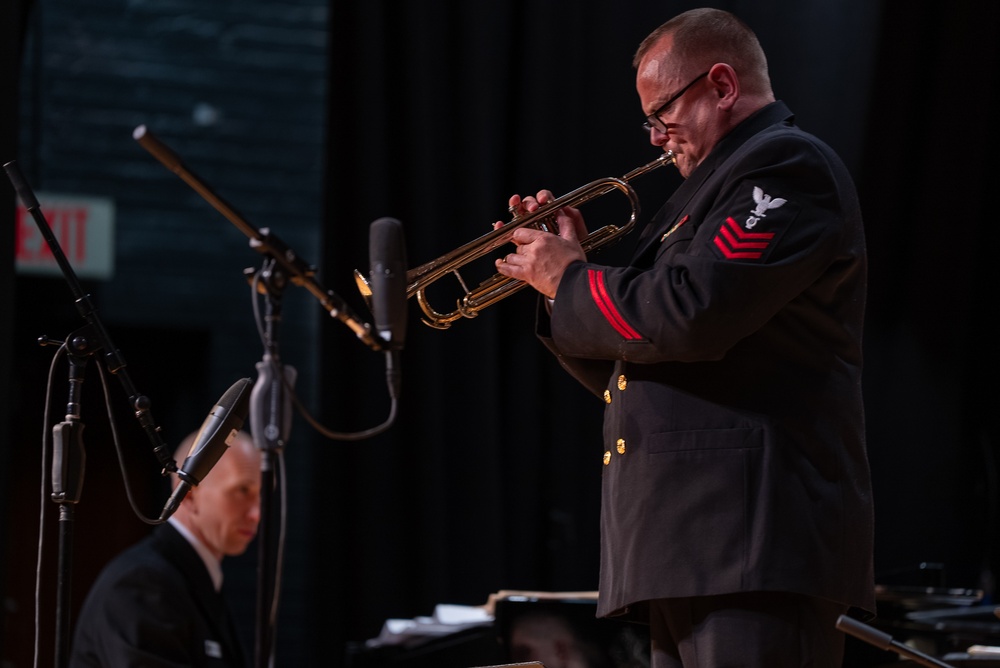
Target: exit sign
83,227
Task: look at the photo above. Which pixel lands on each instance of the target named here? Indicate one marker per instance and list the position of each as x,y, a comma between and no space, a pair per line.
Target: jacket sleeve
592,374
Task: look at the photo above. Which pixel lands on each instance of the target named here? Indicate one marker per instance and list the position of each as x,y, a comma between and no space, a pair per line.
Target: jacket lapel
211,603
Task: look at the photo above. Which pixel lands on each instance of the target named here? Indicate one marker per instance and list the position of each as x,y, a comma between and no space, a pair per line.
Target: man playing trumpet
736,500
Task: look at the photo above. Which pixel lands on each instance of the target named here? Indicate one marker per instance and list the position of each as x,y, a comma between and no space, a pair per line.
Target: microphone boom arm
113,359
263,241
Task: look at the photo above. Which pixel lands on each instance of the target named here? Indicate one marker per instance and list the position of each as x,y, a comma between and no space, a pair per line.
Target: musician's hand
541,258
519,206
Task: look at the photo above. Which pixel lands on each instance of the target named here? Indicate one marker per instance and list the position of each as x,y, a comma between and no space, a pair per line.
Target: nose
253,512
657,138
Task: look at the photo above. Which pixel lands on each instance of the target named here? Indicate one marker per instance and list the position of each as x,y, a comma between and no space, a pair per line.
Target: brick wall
237,89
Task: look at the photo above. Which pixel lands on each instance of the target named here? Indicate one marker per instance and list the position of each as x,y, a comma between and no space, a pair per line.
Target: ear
190,501
726,84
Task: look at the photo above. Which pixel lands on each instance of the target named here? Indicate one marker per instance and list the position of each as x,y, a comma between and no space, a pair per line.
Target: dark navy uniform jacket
728,353
154,606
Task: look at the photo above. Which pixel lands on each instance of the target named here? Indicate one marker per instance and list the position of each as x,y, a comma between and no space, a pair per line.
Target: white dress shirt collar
213,565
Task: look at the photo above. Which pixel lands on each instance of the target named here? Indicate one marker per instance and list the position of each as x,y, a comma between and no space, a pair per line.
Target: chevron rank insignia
739,240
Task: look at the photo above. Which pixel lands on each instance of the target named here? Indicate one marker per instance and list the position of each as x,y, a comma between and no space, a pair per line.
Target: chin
685,164
237,550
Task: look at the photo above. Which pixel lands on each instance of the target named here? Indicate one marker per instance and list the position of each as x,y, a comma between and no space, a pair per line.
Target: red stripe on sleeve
599,293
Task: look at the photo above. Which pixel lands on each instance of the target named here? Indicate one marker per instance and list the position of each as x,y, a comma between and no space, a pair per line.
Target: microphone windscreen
387,259
222,422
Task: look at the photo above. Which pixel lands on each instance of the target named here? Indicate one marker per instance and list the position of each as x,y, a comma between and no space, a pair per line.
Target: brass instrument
499,286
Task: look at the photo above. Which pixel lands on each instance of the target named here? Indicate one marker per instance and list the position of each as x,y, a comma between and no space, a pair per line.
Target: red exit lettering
69,227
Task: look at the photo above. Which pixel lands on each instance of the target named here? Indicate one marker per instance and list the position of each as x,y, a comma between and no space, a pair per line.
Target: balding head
700,38
224,509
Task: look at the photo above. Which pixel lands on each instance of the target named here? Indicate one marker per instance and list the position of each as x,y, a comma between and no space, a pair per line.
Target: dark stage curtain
490,479
438,112
932,362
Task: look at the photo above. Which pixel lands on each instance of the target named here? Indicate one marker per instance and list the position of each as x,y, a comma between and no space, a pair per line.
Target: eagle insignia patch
764,204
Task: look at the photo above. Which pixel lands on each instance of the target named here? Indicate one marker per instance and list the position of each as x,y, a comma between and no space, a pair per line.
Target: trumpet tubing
498,286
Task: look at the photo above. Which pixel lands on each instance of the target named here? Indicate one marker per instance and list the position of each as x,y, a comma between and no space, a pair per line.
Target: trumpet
499,286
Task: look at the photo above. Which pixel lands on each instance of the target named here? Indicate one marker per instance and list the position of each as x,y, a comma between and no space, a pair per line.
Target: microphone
387,259
216,434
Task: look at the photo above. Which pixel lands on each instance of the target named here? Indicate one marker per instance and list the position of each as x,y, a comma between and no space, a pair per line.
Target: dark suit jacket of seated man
159,603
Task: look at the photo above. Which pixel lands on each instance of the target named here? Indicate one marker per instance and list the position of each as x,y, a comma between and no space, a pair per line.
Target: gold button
607,457
607,396
622,382
621,446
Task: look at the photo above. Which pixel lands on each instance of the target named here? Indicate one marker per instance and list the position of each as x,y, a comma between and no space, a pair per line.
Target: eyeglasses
653,120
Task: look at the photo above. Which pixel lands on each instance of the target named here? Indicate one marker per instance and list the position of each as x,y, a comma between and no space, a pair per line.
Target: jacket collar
765,117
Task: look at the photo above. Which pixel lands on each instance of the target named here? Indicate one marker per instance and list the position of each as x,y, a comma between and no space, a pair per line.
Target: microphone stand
297,270
68,455
282,265
270,420
68,463
884,641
